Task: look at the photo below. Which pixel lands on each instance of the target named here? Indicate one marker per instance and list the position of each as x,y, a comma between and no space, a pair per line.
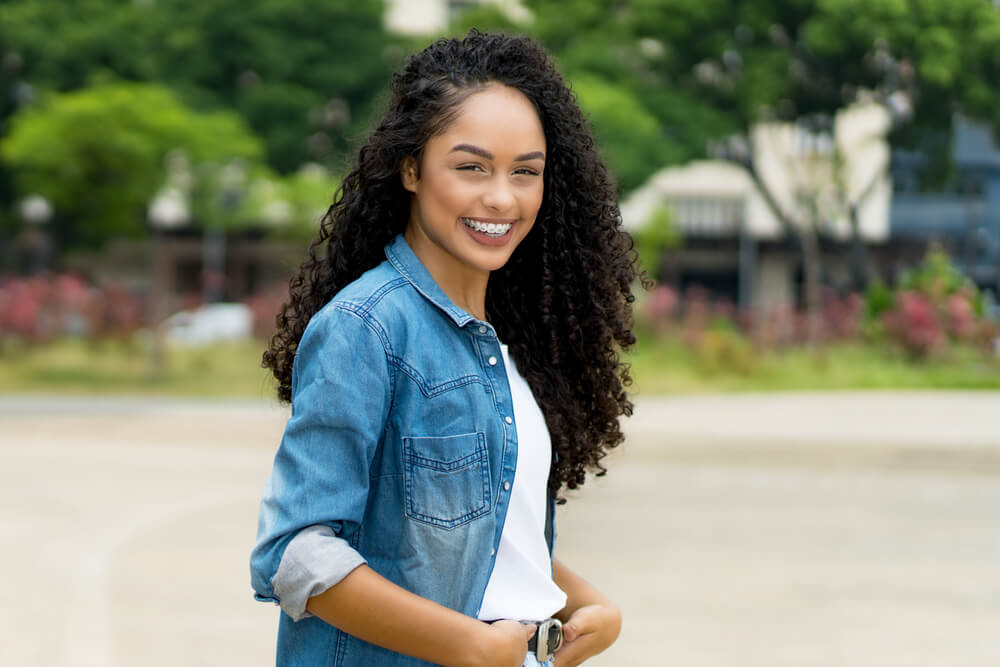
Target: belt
546,640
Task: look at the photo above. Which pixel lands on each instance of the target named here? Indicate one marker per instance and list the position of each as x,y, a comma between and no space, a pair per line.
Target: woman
450,349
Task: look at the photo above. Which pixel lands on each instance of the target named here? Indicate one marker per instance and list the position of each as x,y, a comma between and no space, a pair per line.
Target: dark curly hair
562,303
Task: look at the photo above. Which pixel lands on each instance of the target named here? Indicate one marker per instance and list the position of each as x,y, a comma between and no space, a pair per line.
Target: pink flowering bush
41,308
934,305
931,307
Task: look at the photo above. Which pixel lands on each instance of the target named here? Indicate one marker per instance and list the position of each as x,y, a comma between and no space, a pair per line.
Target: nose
498,195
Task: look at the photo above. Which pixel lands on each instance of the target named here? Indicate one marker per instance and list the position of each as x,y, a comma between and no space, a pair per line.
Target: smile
496,230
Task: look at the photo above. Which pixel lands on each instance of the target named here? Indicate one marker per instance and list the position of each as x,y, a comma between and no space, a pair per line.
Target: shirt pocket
446,479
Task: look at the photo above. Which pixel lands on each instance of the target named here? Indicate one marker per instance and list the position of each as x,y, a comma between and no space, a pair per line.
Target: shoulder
381,301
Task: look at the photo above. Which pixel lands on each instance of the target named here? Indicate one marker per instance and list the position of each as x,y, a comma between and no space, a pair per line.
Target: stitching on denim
383,337
426,388
449,524
480,456
454,313
340,648
376,296
444,466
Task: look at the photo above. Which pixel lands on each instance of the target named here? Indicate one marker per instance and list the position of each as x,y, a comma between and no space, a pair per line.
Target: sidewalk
935,421
786,530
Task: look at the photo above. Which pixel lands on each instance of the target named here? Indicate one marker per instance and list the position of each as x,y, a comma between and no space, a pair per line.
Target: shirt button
482,329
506,486
493,552
508,420
492,361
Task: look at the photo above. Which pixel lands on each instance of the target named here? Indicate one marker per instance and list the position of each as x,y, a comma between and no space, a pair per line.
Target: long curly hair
562,303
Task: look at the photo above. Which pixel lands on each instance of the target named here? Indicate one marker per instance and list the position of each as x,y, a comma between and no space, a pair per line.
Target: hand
590,630
507,643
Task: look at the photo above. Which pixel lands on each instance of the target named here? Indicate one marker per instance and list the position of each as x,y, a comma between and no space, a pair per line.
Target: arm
591,622
315,500
374,609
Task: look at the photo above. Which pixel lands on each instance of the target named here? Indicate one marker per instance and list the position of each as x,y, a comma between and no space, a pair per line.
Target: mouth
494,230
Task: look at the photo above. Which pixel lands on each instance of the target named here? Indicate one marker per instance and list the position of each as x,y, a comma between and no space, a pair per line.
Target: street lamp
167,211
232,186
36,211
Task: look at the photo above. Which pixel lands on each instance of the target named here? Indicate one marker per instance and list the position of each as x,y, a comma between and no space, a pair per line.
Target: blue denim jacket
401,442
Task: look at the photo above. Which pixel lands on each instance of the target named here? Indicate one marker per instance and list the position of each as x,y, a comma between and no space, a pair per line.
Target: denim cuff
313,561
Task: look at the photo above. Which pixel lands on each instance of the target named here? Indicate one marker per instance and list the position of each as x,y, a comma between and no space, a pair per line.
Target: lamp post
232,183
36,211
167,211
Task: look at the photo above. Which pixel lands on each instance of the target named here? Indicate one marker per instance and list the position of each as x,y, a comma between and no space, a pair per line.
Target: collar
404,260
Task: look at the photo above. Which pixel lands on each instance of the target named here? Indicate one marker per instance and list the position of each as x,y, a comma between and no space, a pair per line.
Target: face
479,185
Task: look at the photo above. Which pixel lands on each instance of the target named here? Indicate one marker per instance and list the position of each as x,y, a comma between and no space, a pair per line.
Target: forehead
498,118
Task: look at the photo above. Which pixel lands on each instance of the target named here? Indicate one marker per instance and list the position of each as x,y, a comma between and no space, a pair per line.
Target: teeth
487,228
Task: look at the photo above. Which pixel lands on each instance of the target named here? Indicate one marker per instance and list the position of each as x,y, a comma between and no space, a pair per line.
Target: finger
582,622
569,654
529,631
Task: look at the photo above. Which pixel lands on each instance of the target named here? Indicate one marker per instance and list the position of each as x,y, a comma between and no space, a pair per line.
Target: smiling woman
450,347
477,191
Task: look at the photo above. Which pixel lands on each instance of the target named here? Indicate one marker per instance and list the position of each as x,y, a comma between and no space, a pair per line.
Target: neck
463,284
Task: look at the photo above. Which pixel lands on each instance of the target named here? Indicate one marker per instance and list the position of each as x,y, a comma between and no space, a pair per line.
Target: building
965,217
735,247
428,17
734,243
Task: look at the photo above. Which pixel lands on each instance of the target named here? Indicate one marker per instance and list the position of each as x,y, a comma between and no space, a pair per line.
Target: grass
664,366
667,366
115,367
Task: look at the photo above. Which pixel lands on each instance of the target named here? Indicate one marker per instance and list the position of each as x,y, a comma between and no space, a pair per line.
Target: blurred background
814,185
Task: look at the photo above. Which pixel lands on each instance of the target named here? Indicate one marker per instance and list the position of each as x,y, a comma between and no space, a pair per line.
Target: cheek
534,201
446,195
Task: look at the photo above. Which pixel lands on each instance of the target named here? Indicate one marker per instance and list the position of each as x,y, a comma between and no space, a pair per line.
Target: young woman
450,349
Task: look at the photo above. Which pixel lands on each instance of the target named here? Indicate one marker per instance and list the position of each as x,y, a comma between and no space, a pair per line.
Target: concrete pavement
806,529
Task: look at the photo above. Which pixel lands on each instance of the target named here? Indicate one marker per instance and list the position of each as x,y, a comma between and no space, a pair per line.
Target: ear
408,171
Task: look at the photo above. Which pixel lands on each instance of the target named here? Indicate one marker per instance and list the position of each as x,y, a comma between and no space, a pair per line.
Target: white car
211,323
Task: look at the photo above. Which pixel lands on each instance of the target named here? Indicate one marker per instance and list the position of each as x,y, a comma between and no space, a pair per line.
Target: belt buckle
549,635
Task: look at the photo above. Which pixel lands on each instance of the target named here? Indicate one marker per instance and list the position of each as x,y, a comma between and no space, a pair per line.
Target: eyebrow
483,153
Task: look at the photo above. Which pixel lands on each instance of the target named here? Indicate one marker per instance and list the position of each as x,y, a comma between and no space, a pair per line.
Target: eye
526,171
470,167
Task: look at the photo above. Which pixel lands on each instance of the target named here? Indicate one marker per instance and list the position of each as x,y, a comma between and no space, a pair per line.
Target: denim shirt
401,442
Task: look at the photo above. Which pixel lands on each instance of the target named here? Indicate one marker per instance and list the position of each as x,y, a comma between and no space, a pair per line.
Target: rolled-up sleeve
315,497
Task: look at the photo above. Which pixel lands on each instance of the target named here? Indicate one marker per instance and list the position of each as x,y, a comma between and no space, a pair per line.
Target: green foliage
629,137
933,307
58,44
937,276
879,299
290,205
305,73
660,233
98,154
659,79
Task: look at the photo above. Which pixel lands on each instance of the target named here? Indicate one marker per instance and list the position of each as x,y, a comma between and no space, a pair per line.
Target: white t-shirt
521,586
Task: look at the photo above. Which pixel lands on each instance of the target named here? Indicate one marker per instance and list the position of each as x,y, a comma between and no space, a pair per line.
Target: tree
305,73
733,64
98,154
